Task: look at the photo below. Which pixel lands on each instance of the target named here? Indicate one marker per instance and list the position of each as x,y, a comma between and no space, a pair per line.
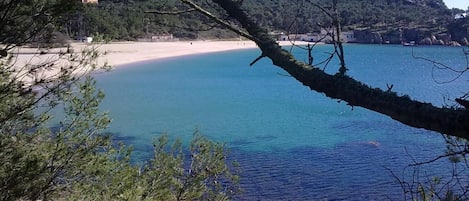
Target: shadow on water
352,170
307,148
265,137
240,142
246,142
349,171
357,169
140,153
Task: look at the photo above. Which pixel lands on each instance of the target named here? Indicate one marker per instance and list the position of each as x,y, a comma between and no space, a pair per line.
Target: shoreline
124,54
118,54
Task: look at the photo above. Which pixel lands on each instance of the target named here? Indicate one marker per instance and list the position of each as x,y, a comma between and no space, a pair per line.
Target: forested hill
279,14
126,19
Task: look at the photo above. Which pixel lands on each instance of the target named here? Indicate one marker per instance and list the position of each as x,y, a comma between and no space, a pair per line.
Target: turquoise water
291,143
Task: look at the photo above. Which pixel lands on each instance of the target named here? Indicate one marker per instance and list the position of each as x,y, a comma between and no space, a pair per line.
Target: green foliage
127,20
166,177
280,15
430,192
76,160
71,157
207,177
39,162
25,21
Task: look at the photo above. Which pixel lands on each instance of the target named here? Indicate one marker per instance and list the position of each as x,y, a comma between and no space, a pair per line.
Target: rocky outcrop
396,36
368,37
464,42
454,44
420,36
459,31
392,37
444,37
411,35
427,41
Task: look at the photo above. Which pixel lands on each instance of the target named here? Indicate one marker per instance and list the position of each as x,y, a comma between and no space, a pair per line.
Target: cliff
456,33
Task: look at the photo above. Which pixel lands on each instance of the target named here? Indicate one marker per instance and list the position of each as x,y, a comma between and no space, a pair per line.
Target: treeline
128,20
304,16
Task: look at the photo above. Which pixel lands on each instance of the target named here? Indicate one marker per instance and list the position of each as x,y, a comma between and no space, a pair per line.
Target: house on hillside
460,16
309,37
89,1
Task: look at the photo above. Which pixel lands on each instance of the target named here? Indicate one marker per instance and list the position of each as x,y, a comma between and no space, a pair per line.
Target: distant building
89,1
324,36
162,37
345,36
276,33
309,37
348,37
460,16
158,38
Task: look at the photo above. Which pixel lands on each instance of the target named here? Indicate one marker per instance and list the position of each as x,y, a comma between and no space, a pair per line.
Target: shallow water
291,143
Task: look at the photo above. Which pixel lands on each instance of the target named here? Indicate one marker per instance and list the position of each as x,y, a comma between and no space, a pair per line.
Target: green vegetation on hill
127,20
353,13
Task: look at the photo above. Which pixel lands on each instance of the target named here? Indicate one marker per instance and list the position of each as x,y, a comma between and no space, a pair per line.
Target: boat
411,43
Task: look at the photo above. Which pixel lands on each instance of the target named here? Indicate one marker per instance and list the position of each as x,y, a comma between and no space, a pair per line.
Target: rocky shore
456,34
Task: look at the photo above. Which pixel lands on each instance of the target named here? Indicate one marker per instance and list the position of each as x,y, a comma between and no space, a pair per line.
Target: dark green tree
70,156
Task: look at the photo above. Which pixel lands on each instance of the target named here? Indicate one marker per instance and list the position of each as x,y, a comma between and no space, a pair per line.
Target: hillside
126,20
354,13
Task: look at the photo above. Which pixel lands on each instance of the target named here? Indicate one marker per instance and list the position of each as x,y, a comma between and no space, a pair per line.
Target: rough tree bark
454,122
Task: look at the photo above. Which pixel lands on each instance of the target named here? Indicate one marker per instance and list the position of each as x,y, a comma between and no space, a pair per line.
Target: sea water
292,143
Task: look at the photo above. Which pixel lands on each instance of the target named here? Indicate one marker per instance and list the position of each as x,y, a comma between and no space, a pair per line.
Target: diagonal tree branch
218,20
413,113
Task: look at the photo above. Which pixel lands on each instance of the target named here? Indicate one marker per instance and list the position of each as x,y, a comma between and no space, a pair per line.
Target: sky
461,4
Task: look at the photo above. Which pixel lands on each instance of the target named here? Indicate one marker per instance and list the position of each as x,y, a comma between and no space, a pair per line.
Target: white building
460,16
310,37
345,36
89,1
162,37
348,37
324,36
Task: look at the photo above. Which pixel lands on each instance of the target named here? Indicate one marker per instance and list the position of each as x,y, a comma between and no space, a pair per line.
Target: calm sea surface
291,143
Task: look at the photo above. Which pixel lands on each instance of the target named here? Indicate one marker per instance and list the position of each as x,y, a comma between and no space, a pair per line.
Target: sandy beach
120,53
117,54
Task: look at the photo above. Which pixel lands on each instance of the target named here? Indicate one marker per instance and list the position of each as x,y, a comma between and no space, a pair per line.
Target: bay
292,143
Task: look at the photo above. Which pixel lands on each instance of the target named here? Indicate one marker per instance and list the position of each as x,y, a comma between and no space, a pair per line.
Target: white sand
131,52
121,53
